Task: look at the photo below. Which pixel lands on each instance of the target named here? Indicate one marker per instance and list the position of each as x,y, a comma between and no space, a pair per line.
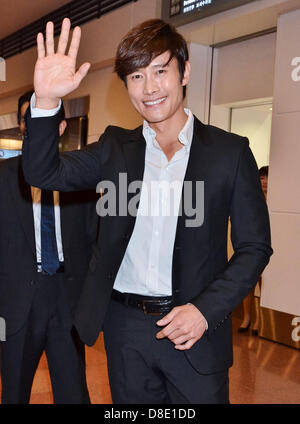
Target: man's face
22,122
156,91
264,183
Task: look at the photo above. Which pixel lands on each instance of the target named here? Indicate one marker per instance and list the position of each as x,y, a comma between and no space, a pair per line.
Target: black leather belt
150,305
60,269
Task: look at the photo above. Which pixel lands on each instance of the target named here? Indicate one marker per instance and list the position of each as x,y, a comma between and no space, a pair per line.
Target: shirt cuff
42,113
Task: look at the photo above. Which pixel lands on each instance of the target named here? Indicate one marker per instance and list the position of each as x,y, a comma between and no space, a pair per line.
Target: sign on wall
180,12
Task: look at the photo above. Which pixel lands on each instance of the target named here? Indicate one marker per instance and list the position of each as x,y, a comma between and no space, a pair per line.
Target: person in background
252,298
46,241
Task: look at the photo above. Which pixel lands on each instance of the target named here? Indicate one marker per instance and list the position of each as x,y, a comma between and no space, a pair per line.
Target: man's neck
167,131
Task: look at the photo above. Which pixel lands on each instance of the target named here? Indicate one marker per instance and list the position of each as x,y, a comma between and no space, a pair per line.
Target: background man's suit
201,273
20,284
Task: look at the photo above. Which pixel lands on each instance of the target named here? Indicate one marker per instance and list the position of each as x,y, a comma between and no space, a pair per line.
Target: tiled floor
263,372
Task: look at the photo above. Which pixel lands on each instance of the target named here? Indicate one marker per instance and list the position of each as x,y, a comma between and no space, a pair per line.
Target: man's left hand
184,326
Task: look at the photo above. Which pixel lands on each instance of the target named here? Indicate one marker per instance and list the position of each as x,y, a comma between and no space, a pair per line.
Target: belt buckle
144,308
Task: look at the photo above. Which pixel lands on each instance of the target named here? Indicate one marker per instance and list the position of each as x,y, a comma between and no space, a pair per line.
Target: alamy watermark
156,198
2,330
2,69
296,330
296,71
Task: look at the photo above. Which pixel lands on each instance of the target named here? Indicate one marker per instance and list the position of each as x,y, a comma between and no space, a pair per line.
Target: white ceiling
15,14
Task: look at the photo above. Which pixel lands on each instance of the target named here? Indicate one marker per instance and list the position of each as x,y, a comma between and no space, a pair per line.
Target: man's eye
161,71
135,77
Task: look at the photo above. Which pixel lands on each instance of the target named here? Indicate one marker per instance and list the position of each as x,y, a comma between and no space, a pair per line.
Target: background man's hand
55,73
184,326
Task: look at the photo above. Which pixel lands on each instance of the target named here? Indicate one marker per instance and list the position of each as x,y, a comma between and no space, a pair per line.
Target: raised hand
55,73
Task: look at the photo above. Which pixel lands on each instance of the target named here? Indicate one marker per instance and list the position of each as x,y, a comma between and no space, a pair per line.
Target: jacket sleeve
46,168
250,235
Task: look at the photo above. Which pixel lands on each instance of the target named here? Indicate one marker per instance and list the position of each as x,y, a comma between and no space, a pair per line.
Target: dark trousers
145,370
48,327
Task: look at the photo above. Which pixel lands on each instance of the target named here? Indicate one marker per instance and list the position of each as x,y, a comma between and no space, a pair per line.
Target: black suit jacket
201,272
17,243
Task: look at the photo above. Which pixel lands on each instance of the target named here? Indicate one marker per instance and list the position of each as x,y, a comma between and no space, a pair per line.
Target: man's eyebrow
161,65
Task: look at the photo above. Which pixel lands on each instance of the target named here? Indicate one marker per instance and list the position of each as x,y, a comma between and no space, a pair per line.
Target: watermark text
2,330
155,199
296,71
2,69
296,330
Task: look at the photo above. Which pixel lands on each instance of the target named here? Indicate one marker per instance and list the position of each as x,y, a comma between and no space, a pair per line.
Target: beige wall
199,84
281,278
243,74
244,71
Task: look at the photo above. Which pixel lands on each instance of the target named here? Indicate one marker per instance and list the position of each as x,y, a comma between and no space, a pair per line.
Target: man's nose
150,86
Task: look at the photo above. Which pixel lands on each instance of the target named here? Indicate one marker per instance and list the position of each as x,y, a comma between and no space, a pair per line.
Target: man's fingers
180,340
74,46
40,45
81,73
187,345
64,36
178,332
169,329
167,318
50,38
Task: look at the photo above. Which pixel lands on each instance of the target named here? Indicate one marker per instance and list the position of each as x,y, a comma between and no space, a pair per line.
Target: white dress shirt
146,268
36,206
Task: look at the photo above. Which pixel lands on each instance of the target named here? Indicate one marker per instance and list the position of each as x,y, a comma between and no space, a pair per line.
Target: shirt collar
185,136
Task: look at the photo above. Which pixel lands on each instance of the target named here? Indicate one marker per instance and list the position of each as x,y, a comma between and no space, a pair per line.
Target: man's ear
62,127
186,75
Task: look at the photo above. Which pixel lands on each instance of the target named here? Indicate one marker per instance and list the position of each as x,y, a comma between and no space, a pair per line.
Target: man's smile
154,102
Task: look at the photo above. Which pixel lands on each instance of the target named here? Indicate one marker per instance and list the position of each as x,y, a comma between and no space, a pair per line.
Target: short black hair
23,99
263,171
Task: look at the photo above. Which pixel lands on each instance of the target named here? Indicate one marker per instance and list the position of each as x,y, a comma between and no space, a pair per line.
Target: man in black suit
38,298
159,284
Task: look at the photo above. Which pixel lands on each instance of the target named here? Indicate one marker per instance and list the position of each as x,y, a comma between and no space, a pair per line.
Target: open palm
55,73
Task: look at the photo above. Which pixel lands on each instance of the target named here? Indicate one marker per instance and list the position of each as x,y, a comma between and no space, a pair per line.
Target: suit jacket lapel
21,194
198,163
134,152
197,166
